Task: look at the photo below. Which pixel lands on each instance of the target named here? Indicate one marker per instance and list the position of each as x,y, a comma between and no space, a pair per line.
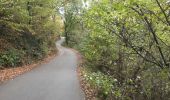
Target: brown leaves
89,91
10,73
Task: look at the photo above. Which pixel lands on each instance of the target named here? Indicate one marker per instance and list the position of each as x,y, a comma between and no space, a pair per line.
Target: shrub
101,82
11,57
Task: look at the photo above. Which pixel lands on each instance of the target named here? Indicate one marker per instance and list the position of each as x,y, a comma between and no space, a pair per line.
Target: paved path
56,80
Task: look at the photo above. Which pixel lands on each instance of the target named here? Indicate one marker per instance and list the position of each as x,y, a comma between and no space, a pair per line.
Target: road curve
56,80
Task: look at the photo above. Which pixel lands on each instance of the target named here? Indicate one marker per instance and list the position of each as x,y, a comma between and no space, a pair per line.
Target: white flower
138,77
91,78
115,80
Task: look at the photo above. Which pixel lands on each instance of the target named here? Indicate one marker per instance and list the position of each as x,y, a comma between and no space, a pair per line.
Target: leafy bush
28,26
129,40
101,82
11,57
146,87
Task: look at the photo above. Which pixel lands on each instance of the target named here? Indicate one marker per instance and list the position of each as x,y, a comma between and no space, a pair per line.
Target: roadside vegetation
28,31
126,49
125,44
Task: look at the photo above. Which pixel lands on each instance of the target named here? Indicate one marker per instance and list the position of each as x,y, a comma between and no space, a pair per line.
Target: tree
128,40
72,10
27,27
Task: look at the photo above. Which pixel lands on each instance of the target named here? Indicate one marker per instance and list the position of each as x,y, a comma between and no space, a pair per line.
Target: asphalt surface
56,80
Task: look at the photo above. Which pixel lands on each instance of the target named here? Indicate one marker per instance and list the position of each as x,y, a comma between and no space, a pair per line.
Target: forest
27,31
125,44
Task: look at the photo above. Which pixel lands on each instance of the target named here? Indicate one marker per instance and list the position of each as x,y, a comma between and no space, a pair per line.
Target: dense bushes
11,58
28,31
128,41
100,82
134,79
24,49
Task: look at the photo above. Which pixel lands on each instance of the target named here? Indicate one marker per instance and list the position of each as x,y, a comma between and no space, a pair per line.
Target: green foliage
103,83
29,26
129,41
11,57
72,22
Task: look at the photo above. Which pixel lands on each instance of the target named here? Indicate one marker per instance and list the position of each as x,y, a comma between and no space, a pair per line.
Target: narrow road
56,80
